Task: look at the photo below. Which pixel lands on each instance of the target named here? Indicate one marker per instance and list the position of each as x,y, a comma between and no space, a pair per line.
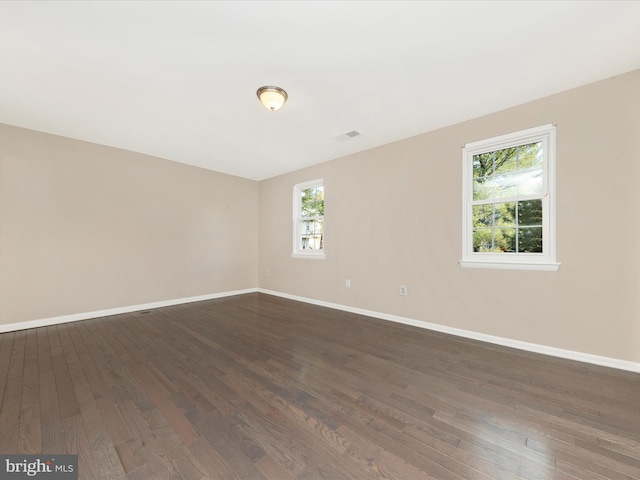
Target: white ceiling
178,79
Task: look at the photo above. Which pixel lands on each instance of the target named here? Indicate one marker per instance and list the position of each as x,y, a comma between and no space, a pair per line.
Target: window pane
311,237
530,240
315,242
530,156
508,172
530,181
504,240
482,189
483,215
505,214
482,165
506,160
530,213
482,239
530,166
312,203
308,202
505,185
495,228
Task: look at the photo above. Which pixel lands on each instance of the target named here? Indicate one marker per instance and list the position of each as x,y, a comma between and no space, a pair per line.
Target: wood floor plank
162,399
65,393
379,459
141,452
276,437
175,452
215,464
12,396
239,451
87,385
260,387
29,433
6,347
109,381
271,469
76,442
51,421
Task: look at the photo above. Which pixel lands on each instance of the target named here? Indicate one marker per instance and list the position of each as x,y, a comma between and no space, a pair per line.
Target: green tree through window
506,174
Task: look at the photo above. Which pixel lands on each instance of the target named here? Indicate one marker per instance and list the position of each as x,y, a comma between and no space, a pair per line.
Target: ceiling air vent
347,136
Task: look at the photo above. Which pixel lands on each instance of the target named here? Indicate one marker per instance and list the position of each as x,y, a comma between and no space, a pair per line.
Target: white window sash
512,260
299,252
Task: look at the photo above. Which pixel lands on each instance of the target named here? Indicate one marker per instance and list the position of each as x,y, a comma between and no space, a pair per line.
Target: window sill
540,266
315,256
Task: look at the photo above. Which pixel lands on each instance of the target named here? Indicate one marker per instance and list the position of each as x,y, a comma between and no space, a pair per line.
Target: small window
308,219
509,201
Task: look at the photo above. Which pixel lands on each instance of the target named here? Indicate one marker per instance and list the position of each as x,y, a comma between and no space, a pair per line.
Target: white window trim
513,261
297,252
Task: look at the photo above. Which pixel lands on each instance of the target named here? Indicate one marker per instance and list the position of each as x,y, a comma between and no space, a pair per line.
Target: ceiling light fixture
272,97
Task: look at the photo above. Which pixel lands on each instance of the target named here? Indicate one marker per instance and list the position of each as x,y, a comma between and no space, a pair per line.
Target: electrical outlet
268,272
347,283
403,290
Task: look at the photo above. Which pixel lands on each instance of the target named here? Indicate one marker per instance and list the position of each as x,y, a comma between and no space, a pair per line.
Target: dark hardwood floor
259,387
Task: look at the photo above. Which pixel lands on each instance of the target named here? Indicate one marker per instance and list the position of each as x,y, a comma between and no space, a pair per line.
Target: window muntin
308,218
508,200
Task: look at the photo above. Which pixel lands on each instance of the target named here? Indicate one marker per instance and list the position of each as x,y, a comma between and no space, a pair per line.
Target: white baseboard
45,322
507,342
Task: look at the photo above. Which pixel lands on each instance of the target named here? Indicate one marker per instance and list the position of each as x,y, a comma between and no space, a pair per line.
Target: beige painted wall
85,227
393,216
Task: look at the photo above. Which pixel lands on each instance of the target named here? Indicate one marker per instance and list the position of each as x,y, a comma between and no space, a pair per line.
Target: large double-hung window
509,201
